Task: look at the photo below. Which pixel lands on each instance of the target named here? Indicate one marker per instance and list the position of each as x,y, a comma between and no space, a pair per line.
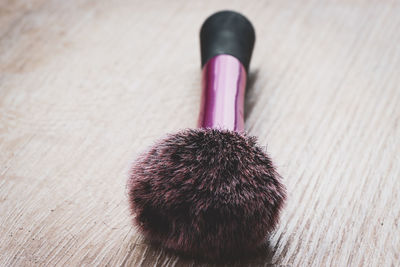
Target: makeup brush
211,192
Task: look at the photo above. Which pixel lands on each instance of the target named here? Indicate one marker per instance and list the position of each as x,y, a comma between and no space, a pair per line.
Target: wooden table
87,85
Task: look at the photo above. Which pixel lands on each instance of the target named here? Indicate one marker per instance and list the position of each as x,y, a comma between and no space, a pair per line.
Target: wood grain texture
86,85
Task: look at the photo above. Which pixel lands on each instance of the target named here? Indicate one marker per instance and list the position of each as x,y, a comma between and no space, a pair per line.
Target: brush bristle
206,193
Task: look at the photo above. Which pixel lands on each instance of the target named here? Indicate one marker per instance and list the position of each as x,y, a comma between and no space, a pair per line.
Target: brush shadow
155,255
250,96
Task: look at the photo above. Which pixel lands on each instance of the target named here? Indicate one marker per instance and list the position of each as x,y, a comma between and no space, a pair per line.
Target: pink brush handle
222,101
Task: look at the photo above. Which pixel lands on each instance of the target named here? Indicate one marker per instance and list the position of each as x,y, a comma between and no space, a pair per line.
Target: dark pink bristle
207,193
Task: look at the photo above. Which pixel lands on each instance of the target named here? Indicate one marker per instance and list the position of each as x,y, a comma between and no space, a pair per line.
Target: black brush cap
227,32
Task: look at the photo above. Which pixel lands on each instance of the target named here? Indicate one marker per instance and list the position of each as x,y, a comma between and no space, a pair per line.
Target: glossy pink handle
222,101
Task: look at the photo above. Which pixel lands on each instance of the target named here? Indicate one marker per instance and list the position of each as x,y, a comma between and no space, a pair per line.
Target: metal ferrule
223,89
